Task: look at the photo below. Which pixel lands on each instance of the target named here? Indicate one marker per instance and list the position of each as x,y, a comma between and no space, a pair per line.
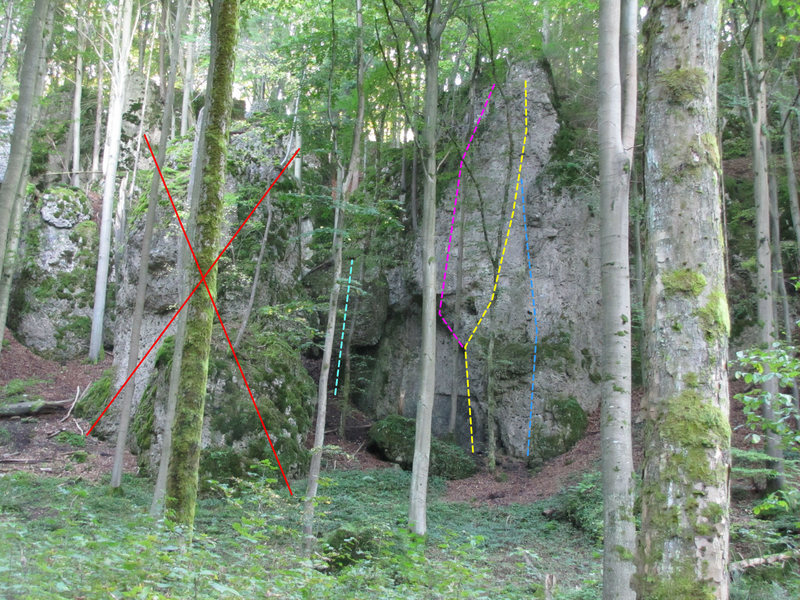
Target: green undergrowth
80,540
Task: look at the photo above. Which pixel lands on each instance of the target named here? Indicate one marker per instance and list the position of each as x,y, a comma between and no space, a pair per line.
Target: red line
216,310
187,300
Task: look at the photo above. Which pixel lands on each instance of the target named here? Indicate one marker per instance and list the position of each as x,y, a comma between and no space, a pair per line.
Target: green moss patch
393,438
683,281
684,85
570,425
714,317
96,398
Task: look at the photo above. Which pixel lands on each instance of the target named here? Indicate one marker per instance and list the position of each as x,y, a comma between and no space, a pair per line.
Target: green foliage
394,437
582,505
71,439
17,390
97,397
778,362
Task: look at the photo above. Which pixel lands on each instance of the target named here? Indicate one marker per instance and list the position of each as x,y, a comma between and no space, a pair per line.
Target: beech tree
683,543
427,37
37,40
182,476
616,127
122,36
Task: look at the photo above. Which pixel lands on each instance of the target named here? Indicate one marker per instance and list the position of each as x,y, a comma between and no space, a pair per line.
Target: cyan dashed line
535,323
344,323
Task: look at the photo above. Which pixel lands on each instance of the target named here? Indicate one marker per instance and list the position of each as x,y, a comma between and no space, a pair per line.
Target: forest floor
490,536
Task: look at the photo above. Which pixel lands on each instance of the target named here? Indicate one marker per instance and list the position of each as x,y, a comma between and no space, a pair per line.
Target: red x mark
203,281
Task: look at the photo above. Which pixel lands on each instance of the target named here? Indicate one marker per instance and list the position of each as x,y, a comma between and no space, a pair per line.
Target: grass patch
18,390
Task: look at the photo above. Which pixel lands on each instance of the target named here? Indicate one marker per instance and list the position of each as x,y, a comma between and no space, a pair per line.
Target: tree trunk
457,350
98,118
76,109
142,113
193,200
764,295
417,510
188,76
144,262
188,428
8,19
347,184
491,405
344,397
256,276
121,45
683,543
37,39
791,178
616,126
12,249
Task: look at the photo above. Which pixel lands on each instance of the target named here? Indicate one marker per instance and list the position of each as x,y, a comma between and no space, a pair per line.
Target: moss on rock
97,397
570,422
393,437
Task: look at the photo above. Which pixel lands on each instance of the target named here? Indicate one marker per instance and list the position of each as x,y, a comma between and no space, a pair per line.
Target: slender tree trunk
193,200
121,45
683,543
347,184
764,295
36,43
457,350
188,428
344,398
144,262
417,511
188,77
791,178
163,26
256,276
616,126
98,119
8,19
76,109
322,389
142,113
491,405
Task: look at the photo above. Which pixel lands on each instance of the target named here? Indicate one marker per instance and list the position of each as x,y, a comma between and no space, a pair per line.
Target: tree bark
5,39
616,126
457,350
417,510
347,183
37,39
98,118
188,75
256,276
76,108
683,542
764,287
791,178
193,200
121,46
144,262
187,430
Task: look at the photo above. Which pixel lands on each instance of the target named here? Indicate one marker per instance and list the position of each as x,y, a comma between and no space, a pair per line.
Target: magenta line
453,221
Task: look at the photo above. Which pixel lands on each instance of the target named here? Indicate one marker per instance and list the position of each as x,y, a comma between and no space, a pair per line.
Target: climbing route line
535,323
499,264
453,220
344,322
510,221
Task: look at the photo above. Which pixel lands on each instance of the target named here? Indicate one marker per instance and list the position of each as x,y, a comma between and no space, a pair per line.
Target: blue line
535,323
344,322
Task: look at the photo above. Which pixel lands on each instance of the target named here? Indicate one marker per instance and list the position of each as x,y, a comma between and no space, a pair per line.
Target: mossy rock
570,422
345,546
393,437
97,397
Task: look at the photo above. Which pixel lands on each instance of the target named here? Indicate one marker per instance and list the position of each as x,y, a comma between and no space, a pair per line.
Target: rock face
51,304
562,239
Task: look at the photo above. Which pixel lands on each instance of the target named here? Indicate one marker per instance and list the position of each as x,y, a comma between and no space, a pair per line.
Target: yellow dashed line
499,266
